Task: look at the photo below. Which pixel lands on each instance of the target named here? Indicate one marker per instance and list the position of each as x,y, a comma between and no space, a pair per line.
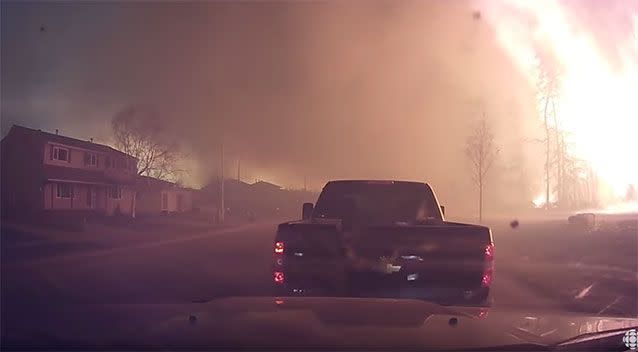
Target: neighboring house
268,198
237,194
51,172
156,196
265,187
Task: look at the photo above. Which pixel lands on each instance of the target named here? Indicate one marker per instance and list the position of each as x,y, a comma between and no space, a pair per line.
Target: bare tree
567,176
481,151
139,132
547,91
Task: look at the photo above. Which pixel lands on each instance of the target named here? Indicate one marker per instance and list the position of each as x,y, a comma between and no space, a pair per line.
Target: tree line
569,182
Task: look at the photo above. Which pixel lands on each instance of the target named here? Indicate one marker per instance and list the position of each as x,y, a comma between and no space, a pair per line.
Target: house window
64,190
90,159
61,154
115,193
164,201
108,162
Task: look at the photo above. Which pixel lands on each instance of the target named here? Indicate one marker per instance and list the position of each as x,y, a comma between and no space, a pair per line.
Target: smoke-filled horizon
321,90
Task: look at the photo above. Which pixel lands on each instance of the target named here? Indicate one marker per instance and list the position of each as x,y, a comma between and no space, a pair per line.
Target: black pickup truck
383,239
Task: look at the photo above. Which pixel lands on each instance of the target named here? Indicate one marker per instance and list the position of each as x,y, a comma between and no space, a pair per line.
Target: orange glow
597,105
539,200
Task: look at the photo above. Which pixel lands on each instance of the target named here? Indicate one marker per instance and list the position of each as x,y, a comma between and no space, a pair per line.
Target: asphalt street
538,267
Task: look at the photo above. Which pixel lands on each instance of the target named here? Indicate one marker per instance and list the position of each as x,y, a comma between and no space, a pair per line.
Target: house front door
91,197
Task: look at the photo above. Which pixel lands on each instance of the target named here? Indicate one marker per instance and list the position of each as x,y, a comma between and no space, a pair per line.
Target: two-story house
44,171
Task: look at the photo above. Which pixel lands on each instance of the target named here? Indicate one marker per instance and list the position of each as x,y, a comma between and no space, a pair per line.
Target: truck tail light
488,272
278,276
488,275
489,252
279,247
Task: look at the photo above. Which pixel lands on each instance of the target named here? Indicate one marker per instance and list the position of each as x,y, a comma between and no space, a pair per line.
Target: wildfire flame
597,101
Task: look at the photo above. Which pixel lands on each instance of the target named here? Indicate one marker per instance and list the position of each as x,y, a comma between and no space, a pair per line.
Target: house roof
67,174
266,185
229,183
148,182
234,184
26,132
233,181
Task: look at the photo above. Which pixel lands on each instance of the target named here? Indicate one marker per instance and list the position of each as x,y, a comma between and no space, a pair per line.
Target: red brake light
488,273
279,247
487,278
278,276
489,252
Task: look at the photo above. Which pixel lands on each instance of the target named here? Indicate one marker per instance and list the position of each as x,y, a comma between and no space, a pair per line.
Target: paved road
535,270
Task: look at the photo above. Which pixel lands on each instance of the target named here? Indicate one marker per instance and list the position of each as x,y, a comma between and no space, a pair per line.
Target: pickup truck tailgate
449,254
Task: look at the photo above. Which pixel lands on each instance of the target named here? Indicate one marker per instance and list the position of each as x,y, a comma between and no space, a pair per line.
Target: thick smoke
317,89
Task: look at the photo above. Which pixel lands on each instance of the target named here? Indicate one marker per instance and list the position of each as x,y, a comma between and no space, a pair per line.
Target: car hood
293,322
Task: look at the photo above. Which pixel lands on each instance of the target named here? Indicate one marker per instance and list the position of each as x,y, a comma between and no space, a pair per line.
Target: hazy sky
341,89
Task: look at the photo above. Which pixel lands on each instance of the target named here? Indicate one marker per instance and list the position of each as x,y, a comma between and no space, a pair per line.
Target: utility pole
222,207
480,183
238,170
547,206
305,183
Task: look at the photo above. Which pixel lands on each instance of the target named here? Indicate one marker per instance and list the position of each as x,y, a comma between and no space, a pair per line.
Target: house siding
126,203
103,202
77,160
76,157
55,203
79,201
187,200
100,198
116,171
149,202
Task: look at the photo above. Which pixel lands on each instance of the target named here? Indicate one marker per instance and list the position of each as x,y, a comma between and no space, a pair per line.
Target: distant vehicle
585,221
383,238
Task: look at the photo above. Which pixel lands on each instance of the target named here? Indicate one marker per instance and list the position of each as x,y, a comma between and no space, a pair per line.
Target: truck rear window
376,202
